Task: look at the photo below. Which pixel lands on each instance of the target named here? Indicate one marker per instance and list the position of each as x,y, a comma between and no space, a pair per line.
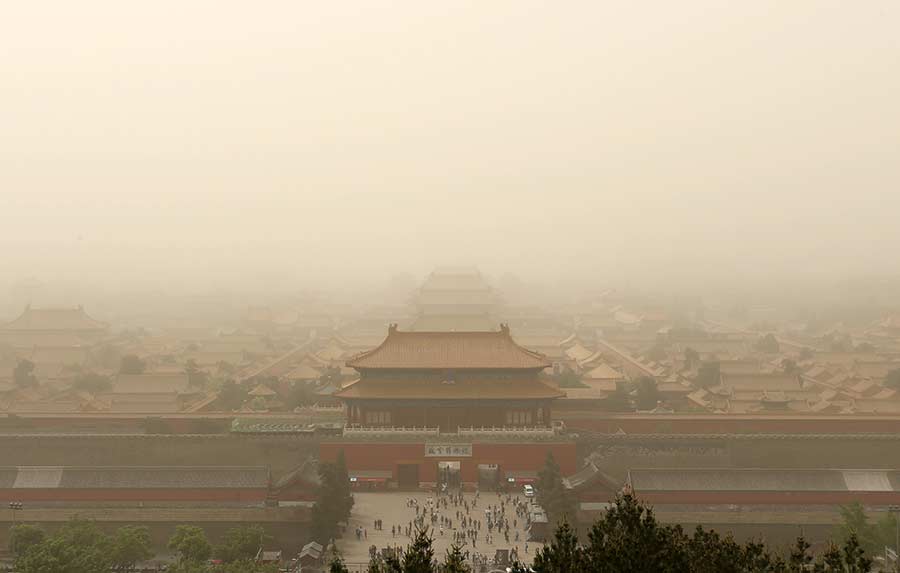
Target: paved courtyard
394,510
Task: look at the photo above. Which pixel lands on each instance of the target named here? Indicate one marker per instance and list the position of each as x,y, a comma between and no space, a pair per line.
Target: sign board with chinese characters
440,450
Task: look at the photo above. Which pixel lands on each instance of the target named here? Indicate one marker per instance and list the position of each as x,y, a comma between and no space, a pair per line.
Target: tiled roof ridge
394,333
29,312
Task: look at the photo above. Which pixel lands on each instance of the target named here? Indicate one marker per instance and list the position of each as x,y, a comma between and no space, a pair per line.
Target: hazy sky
207,140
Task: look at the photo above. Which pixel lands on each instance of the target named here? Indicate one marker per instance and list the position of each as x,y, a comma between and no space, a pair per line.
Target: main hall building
456,408
449,380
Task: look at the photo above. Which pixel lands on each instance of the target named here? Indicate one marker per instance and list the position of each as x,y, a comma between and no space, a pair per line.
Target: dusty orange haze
208,142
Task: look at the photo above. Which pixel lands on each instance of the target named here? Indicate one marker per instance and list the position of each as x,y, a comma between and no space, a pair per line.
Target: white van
529,490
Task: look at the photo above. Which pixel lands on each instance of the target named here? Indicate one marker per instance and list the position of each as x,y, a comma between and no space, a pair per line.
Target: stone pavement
392,509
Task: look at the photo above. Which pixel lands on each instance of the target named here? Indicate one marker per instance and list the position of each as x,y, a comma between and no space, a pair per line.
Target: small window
518,417
378,418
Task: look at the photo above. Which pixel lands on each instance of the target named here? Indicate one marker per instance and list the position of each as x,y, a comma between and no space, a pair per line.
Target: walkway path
395,510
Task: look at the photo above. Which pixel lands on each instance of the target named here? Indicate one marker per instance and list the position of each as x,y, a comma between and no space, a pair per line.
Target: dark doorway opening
448,475
488,476
408,476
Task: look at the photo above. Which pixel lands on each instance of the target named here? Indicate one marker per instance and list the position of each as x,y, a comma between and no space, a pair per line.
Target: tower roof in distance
35,319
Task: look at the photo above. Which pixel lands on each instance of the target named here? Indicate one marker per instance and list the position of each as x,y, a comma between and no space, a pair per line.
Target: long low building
704,423
206,485
215,498
766,487
138,484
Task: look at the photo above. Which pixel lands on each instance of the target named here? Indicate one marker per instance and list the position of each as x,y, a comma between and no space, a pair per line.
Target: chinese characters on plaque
464,450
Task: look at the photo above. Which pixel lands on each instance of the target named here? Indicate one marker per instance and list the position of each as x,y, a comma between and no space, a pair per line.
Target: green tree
231,395
657,352
242,542
331,375
618,401
629,538
23,536
337,565
23,374
78,547
754,557
190,543
691,357
552,494
388,564
243,566
709,374
647,393
768,344
196,376
92,382
333,500
300,394
83,532
569,379
833,559
132,364
59,555
107,357
708,552
130,545
893,379
455,561
799,559
190,567
871,536
342,486
225,369
419,555
789,366
563,555
855,559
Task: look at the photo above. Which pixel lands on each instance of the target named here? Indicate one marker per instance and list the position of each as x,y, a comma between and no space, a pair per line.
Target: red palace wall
722,424
363,456
769,497
124,494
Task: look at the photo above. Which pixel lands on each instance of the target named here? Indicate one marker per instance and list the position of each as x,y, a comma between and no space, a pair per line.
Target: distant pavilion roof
450,298
304,372
604,372
453,323
449,350
455,279
54,319
262,390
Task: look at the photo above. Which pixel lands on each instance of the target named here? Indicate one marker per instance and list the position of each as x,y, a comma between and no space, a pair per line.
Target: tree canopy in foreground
81,547
629,539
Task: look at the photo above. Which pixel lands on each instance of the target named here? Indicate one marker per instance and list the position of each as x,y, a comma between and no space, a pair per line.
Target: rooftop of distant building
44,319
